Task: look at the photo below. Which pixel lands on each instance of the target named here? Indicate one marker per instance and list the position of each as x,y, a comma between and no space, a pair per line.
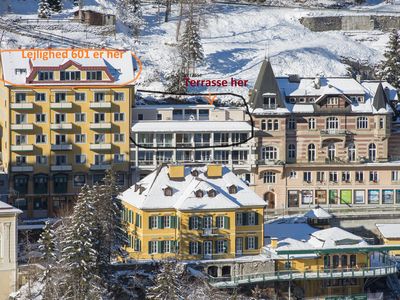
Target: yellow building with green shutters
192,213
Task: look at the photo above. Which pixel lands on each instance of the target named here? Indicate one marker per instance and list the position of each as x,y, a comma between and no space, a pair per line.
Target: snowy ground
236,38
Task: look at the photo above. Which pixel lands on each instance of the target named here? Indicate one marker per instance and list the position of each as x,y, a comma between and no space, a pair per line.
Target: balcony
100,125
210,232
22,168
61,126
21,148
100,146
61,105
269,162
61,147
22,127
58,168
100,167
22,106
100,104
334,132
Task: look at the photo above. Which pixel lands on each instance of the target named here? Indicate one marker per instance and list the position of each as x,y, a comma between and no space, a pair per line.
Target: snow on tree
130,13
190,44
168,282
55,5
389,69
79,253
176,81
44,9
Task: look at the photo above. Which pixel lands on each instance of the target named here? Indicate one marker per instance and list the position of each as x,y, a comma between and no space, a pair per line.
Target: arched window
40,184
332,123
263,125
311,152
331,152
269,125
269,177
292,151
168,191
351,152
212,193
232,189
199,193
269,153
311,123
372,152
276,125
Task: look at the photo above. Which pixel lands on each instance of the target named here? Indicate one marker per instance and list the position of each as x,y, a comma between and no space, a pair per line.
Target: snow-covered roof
6,209
318,213
190,126
389,231
183,197
122,69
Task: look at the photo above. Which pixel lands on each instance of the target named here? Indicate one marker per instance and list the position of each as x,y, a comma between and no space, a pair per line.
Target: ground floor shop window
387,197
306,197
293,198
320,197
373,196
359,197
333,197
345,197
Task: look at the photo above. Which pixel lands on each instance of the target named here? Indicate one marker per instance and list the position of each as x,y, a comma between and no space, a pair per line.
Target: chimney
214,171
317,82
274,243
176,172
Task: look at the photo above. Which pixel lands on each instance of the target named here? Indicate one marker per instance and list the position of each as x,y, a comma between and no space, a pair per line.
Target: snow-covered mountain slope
235,38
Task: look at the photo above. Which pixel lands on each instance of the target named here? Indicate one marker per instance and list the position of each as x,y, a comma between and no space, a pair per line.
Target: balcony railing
22,126
101,104
286,275
333,132
22,148
146,162
22,105
61,105
61,126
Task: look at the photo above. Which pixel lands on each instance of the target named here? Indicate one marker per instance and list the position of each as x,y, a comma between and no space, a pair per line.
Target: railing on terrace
284,275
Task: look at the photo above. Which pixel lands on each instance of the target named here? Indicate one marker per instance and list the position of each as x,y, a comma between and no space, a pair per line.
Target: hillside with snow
236,38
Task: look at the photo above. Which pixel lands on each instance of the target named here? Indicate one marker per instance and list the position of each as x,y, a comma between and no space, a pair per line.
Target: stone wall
361,22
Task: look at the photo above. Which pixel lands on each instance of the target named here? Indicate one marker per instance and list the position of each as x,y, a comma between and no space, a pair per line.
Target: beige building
327,141
191,134
8,249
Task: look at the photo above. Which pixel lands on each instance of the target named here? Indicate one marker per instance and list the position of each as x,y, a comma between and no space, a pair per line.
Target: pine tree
130,13
55,5
190,45
44,9
47,246
168,283
390,68
176,81
79,253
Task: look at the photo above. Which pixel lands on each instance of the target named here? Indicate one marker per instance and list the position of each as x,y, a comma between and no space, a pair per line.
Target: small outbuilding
318,217
92,17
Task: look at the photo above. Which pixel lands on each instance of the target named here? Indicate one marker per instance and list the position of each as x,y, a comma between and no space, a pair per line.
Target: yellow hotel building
64,122
192,212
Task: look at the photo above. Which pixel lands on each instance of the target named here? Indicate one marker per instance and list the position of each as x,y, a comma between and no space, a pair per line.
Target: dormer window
199,193
168,191
195,173
312,100
137,186
232,189
70,75
94,75
45,75
141,190
292,100
302,100
269,102
333,101
360,99
212,193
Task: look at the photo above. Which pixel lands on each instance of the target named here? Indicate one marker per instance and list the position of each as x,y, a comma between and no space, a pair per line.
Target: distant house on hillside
92,17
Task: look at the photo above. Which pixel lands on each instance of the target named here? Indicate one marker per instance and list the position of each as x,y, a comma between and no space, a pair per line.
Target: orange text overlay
46,54
215,82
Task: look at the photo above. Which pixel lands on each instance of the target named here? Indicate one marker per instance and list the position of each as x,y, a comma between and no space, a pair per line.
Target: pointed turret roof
265,84
380,98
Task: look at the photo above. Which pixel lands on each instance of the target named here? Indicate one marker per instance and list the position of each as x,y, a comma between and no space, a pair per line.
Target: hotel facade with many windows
325,141
64,123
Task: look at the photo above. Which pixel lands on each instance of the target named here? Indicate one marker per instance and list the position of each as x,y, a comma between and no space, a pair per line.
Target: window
99,159
140,117
202,139
219,221
45,75
202,155
251,218
269,177
94,75
60,118
20,160
119,137
292,151
221,156
239,137
293,199
41,139
269,153
153,222
232,189
311,152
212,193
359,176
381,123
21,183
79,180
20,97
19,71
61,160
61,139
239,219
373,196
80,158
40,97
80,117
307,197
333,100
20,139
351,152
307,176
70,75
194,248
40,182
320,176
333,197
153,247
159,117
80,138
80,97
311,123
387,196
99,117
39,203
204,114
331,152
292,174
239,157
99,97
119,96
251,242
40,118
221,138
263,125
362,123
372,152
359,196
292,123
222,246
60,97
20,118
269,103
41,160
373,176
332,123
60,183
119,117
346,176
333,176
119,158
395,175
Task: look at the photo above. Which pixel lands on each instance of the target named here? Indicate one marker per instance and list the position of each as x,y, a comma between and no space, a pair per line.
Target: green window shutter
226,246
245,219
140,245
190,247
172,221
149,247
130,216
178,222
246,243
160,222
173,247
199,244
150,222
160,247
256,218
140,221
137,219
218,221
191,223
256,242
215,246
226,222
